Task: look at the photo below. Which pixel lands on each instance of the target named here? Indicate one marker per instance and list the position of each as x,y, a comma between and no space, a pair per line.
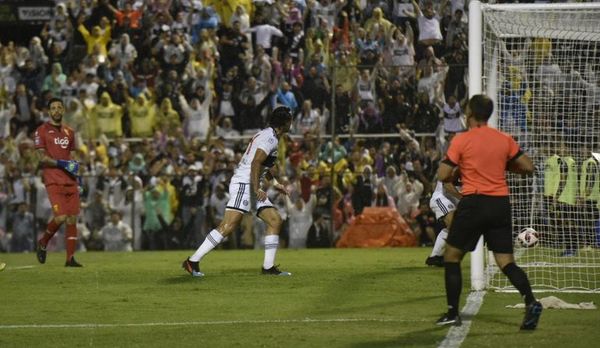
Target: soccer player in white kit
443,203
246,193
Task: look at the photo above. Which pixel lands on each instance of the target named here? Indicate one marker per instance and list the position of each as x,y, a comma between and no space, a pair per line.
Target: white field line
9,268
457,334
206,323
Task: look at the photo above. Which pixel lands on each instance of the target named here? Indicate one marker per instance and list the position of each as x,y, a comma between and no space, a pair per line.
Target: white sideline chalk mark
19,267
457,334
202,323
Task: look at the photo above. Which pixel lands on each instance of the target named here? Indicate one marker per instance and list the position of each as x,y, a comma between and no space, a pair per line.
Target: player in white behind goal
246,194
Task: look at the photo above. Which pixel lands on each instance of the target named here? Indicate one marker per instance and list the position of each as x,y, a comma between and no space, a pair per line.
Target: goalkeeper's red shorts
64,199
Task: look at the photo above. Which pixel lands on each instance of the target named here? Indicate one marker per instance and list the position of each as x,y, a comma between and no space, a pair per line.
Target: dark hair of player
55,100
481,107
280,116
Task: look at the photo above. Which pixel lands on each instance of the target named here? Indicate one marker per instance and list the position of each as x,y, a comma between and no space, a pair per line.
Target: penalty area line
206,323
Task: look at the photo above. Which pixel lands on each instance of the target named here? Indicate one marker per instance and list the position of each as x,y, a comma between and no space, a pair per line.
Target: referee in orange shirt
481,156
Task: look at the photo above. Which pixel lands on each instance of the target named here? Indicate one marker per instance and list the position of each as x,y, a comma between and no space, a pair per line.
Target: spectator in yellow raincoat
76,116
377,19
226,8
108,117
167,118
142,112
173,199
96,37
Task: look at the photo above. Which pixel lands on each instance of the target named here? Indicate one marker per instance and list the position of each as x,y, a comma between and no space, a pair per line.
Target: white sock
271,244
212,240
440,243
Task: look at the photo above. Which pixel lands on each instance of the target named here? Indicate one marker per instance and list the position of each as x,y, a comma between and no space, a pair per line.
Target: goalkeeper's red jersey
58,141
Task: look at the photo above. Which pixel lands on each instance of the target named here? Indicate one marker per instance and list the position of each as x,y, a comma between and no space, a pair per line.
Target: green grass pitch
335,298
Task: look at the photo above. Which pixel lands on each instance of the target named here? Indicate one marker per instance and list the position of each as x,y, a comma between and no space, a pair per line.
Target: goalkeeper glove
71,167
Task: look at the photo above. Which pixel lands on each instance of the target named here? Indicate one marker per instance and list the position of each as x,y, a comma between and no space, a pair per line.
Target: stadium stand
163,93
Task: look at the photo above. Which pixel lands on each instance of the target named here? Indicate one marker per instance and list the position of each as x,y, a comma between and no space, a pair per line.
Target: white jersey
439,191
429,28
365,90
265,140
453,118
441,203
402,53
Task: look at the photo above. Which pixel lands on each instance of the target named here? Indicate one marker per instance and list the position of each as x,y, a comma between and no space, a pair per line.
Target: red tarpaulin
378,227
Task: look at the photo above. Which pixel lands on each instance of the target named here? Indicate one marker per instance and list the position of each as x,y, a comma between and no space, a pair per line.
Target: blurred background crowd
164,95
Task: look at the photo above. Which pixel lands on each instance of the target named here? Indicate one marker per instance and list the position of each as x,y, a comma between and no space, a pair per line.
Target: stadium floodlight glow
540,65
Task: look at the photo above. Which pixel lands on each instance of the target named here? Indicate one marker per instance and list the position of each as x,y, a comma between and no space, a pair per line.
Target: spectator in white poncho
131,208
409,195
116,235
453,116
124,51
197,114
300,219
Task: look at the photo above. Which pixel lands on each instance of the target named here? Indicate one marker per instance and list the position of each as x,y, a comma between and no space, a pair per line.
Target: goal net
541,65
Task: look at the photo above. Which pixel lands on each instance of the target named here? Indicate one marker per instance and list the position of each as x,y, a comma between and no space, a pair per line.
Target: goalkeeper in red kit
55,143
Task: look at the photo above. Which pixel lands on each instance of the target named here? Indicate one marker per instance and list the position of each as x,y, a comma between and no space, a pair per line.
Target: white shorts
441,206
241,201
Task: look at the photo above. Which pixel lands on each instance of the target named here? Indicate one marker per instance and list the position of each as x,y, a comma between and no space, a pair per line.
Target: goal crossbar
532,20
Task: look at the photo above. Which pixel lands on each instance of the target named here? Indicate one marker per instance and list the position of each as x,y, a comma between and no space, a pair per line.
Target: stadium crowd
162,95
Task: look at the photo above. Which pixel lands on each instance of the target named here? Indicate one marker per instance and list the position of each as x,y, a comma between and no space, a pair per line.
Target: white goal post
540,63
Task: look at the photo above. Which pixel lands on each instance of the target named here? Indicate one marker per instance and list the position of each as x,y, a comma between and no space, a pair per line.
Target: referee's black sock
518,278
453,277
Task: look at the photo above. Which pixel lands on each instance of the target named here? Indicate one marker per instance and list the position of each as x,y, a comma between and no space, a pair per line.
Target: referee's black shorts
478,215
